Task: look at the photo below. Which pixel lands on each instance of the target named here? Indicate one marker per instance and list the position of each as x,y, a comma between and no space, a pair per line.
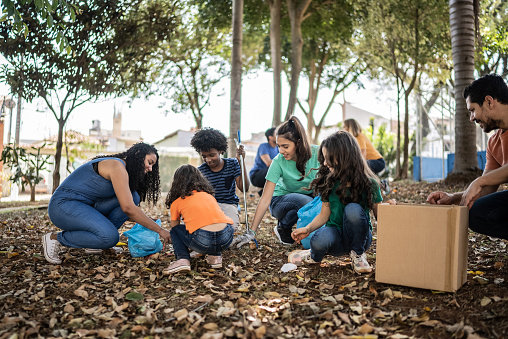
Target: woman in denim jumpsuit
96,199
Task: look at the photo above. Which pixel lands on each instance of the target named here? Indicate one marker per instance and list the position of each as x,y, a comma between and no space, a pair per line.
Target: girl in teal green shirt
349,190
290,173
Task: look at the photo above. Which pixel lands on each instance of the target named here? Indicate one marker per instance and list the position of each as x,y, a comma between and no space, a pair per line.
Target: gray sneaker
52,249
359,263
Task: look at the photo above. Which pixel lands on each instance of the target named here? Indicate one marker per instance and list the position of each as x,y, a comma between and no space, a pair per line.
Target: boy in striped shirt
224,174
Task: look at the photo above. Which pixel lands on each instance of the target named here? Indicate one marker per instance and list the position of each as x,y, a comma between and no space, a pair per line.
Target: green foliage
25,165
384,142
112,44
492,54
12,13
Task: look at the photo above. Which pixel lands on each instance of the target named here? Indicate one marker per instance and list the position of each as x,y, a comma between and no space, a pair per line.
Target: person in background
266,152
349,190
207,230
374,159
224,174
286,181
487,103
95,200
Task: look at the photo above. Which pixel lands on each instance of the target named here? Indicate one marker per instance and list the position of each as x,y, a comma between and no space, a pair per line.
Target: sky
37,122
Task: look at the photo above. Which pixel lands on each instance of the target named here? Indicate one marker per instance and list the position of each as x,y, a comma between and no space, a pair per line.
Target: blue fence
432,168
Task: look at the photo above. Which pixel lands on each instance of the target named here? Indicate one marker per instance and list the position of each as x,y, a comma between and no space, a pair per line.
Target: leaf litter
117,296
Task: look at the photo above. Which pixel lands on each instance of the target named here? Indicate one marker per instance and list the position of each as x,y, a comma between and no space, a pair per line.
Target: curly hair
146,184
293,130
187,178
207,138
350,170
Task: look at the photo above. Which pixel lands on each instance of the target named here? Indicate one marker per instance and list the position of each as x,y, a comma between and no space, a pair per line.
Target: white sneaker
52,249
301,256
359,263
117,250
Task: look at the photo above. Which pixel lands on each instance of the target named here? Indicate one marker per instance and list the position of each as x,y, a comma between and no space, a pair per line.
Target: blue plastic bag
142,241
305,215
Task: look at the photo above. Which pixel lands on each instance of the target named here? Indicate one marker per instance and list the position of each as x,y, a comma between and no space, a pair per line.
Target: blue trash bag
305,215
142,241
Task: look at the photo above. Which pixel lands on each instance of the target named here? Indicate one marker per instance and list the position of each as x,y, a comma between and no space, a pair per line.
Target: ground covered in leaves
117,296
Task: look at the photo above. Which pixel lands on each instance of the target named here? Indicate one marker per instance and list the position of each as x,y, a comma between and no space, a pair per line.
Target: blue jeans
377,165
201,241
86,226
284,208
354,235
488,215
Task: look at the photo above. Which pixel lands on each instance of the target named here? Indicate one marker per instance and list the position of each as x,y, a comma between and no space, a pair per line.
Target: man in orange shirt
487,102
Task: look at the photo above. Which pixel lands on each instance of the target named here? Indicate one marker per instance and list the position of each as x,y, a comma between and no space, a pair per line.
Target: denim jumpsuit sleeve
86,208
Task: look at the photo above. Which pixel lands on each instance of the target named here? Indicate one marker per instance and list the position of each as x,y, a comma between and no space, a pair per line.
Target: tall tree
297,10
276,58
112,45
462,28
236,74
400,39
192,63
328,59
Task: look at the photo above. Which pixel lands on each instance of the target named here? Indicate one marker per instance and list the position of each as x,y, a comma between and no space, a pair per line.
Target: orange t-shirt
197,211
365,144
497,150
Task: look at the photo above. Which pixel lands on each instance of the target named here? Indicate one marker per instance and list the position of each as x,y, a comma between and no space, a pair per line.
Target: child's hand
392,202
240,151
300,233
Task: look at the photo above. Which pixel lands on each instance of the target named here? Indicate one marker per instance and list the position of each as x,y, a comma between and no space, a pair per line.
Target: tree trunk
397,151
462,33
58,154
32,192
296,9
276,54
405,161
236,75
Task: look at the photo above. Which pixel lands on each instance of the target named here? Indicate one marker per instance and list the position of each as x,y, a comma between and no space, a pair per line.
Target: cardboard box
422,246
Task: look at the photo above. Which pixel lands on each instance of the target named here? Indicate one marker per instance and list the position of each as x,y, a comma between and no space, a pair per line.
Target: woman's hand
300,233
165,235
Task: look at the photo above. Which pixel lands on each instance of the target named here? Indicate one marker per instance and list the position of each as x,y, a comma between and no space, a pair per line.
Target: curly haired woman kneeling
95,200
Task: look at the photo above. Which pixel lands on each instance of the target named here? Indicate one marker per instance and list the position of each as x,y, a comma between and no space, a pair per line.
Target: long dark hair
293,130
146,184
349,168
187,178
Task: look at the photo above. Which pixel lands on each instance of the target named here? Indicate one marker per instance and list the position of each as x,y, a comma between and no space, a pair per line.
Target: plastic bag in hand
305,216
142,241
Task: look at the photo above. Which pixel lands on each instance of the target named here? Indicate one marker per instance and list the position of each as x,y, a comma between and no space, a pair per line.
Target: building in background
115,140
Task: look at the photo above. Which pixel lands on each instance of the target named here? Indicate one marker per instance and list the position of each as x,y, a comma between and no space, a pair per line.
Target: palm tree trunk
463,43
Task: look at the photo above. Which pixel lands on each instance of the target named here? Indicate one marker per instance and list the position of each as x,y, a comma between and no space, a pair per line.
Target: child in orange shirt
207,229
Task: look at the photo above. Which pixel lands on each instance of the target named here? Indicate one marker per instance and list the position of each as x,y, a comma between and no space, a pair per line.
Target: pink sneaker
299,257
215,261
177,266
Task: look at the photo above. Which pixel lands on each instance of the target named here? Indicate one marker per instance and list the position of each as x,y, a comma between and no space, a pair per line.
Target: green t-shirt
284,175
337,207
